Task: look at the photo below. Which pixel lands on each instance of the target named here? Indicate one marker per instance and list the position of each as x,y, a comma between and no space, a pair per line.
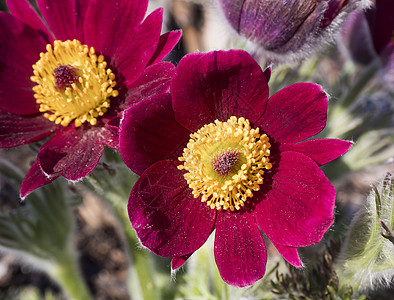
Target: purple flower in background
72,73
369,34
287,30
217,154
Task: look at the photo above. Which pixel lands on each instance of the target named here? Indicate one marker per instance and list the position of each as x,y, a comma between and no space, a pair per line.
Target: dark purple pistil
65,76
224,162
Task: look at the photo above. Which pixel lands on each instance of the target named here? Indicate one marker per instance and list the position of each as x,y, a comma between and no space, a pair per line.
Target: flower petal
299,207
24,11
178,261
138,47
20,48
16,130
81,7
356,38
218,85
61,18
110,135
274,23
322,151
167,218
303,38
381,24
166,43
295,113
34,179
155,80
72,153
109,23
240,251
149,133
290,254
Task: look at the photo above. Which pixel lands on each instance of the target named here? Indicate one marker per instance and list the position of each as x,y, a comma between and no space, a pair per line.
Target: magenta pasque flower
287,30
71,73
217,154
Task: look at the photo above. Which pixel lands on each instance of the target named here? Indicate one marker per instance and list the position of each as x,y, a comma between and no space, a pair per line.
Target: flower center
65,76
73,83
225,162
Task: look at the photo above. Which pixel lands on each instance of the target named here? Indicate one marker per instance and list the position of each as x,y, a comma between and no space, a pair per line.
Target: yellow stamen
84,99
247,157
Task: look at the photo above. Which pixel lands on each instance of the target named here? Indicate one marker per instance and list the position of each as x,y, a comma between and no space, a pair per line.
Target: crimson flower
217,154
72,73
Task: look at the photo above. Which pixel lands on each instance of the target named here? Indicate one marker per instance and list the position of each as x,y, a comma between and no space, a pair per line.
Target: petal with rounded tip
295,113
218,85
299,206
240,251
167,218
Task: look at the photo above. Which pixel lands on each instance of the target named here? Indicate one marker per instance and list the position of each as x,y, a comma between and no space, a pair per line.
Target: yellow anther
224,163
87,94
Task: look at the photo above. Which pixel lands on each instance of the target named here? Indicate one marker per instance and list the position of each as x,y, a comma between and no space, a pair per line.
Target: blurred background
100,238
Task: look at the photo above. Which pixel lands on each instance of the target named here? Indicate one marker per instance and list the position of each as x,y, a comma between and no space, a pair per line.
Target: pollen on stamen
225,163
73,83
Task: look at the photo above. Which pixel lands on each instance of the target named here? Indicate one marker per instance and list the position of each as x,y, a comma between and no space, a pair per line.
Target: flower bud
355,40
368,252
287,30
368,34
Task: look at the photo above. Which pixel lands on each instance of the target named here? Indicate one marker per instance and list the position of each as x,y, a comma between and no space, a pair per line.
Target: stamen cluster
72,83
225,162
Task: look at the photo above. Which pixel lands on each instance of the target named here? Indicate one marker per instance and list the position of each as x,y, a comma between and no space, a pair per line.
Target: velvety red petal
149,133
81,7
20,48
34,179
299,206
218,85
109,23
111,136
290,254
240,251
166,43
16,130
295,113
154,80
61,18
24,11
72,153
322,151
178,261
138,47
167,218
